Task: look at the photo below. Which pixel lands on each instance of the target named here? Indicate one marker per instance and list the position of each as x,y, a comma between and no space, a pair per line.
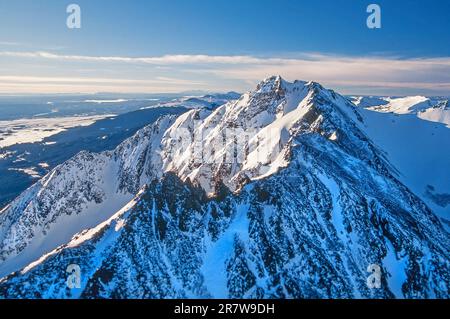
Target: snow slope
415,133
74,196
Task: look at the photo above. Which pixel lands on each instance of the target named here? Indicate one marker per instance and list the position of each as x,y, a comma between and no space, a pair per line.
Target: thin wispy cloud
239,72
162,60
40,84
233,59
8,43
45,79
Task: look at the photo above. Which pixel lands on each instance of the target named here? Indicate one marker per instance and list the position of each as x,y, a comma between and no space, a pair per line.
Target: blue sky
176,45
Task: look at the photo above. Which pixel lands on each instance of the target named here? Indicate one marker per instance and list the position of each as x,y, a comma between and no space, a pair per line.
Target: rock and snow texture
280,194
74,196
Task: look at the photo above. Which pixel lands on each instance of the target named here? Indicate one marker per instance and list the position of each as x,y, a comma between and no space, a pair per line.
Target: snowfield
415,133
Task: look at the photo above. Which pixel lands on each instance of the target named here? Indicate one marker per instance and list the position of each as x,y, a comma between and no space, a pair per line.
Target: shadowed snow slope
415,133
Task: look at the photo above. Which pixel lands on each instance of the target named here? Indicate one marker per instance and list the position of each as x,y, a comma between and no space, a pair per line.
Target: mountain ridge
308,185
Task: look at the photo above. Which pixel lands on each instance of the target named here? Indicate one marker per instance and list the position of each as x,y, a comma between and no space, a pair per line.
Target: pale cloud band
170,73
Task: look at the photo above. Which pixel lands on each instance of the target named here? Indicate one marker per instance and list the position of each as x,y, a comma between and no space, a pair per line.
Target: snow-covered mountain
415,133
433,109
280,194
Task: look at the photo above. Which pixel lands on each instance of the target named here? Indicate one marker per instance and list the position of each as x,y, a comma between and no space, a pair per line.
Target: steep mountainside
280,194
415,135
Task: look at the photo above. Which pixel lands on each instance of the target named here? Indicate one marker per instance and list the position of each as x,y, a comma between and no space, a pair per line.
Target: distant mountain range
288,191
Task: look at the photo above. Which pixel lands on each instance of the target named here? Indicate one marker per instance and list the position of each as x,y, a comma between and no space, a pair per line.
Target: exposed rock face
277,195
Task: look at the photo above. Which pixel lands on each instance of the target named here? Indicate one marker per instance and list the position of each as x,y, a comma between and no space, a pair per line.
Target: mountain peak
296,186
276,83
272,83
